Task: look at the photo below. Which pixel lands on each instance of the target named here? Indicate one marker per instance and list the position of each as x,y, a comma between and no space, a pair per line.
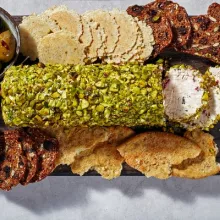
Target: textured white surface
130,198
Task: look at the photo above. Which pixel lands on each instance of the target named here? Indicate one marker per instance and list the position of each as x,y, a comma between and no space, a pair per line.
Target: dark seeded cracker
214,11
47,151
160,25
205,41
12,161
32,158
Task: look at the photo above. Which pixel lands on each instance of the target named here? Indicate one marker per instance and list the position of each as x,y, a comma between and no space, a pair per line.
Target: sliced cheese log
32,29
184,96
211,114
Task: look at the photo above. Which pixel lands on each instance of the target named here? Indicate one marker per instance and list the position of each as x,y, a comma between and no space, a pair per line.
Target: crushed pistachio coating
91,95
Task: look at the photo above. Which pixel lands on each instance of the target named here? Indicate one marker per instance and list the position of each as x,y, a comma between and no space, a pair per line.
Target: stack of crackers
60,35
155,154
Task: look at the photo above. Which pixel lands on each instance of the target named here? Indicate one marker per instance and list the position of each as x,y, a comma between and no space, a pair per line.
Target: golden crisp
203,166
154,153
61,48
105,159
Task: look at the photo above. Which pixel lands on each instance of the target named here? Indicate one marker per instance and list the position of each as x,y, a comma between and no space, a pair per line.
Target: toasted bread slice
203,166
105,159
154,153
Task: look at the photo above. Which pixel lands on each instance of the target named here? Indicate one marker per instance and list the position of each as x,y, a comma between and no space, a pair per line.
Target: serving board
174,58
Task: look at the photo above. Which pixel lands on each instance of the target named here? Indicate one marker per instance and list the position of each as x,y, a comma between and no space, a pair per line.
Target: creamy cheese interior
210,114
182,93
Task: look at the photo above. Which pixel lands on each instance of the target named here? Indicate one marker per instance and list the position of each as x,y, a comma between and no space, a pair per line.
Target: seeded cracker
109,25
214,11
86,38
128,30
31,155
79,141
205,41
154,153
205,164
105,159
67,20
12,161
32,29
61,48
47,151
162,30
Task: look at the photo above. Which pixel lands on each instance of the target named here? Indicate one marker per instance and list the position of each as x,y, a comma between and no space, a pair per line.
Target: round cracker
67,20
128,30
97,42
61,48
146,49
108,23
32,29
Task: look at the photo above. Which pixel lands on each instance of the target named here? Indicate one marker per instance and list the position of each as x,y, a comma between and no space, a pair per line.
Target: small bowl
7,18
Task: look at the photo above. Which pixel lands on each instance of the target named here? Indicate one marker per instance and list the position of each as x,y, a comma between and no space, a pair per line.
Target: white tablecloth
130,198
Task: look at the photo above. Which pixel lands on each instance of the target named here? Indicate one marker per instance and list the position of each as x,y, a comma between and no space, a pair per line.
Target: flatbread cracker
154,153
109,25
203,166
67,20
61,48
32,29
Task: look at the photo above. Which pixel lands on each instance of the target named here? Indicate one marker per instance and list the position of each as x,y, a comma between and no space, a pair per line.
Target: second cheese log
92,95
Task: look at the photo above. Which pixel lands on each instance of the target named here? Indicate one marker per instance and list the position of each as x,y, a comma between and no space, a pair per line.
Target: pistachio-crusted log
102,95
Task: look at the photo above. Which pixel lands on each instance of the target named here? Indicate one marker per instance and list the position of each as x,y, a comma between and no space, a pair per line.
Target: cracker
12,161
47,151
32,29
67,20
105,159
205,41
128,30
86,38
146,49
154,153
109,25
203,166
61,48
97,43
32,158
214,11
162,30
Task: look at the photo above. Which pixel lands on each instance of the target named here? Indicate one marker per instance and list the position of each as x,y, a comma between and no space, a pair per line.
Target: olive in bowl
9,41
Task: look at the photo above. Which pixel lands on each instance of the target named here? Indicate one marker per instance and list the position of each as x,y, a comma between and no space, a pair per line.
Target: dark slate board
174,58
